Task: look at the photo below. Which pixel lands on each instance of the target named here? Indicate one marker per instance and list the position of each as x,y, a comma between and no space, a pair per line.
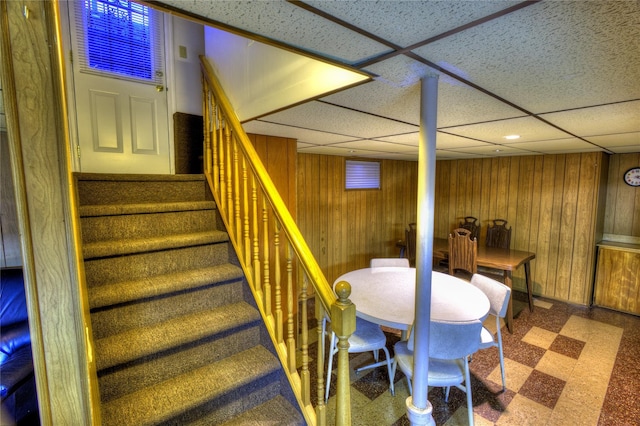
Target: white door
122,117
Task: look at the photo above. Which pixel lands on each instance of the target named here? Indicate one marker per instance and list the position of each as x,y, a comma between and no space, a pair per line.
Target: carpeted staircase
178,339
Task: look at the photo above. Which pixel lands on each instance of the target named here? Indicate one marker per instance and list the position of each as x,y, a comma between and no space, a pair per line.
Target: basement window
120,39
362,174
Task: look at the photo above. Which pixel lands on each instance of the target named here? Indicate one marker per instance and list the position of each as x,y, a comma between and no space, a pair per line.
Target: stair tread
168,399
142,208
130,246
144,341
133,177
276,408
127,291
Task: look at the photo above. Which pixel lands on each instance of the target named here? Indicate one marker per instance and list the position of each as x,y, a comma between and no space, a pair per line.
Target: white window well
362,174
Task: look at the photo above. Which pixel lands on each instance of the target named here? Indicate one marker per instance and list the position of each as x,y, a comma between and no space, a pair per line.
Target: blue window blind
362,174
121,38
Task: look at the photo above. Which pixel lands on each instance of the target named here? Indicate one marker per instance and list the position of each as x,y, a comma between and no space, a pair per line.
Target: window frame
361,162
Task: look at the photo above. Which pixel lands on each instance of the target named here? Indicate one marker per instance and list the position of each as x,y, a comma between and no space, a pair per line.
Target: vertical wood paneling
550,201
622,214
567,226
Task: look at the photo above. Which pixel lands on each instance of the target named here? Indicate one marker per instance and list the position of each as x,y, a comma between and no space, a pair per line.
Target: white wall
187,90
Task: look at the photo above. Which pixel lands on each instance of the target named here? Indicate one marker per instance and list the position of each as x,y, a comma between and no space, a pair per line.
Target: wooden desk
497,258
386,296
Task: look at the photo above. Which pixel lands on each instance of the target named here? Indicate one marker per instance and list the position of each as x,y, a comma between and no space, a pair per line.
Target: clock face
632,176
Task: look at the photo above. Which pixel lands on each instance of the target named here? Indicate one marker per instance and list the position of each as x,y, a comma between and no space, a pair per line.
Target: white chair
498,295
401,262
367,337
450,345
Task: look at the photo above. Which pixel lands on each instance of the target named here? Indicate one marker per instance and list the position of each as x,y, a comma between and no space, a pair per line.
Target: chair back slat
498,235
463,251
471,223
411,243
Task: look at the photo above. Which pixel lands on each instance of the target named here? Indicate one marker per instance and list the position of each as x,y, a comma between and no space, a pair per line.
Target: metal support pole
418,407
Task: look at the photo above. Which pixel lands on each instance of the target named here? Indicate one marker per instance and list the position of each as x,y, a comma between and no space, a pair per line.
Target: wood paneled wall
345,229
550,201
622,215
279,158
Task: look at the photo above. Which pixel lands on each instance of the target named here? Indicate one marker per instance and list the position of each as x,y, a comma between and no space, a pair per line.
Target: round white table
386,296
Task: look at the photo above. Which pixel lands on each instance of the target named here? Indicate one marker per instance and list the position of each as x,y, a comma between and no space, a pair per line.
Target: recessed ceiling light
512,137
497,150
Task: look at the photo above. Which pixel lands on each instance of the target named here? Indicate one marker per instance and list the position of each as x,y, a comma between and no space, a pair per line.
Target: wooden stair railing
268,241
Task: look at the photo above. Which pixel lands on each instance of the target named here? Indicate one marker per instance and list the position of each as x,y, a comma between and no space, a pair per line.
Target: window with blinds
120,38
362,174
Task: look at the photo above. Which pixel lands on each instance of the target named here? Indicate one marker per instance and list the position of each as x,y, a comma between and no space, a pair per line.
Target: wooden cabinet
617,284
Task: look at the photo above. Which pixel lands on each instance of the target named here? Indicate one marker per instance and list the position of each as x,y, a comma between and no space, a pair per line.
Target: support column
418,407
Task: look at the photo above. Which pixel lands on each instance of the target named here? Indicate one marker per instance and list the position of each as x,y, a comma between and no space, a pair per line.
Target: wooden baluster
343,322
228,163
321,408
278,283
305,377
291,340
256,241
206,122
221,149
225,176
213,146
245,215
237,197
266,260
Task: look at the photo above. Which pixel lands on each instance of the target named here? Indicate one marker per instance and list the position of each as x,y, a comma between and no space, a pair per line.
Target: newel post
343,323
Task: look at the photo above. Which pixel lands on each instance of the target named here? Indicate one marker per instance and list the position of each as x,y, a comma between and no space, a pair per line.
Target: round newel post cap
343,290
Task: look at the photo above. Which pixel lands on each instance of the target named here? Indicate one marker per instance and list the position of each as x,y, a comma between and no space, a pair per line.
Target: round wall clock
632,176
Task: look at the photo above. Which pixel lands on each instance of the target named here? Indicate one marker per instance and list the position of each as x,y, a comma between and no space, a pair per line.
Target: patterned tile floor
565,365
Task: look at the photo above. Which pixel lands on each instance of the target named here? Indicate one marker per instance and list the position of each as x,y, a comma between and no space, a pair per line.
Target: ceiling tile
377,146
621,117
529,129
284,22
493,151
342,121
261,127
557,146
631,140
407,22
553,55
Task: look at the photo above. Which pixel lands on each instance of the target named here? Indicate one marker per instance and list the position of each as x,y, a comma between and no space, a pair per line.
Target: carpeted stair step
275,411
196,291
117,222
221,386
108,270
122,247
162,285
153,369
137,343
95,188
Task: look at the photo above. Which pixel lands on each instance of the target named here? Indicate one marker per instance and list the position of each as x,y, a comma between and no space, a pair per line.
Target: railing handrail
299,245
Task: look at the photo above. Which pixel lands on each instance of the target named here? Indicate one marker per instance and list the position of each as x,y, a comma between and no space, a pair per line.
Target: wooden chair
463,252
471,223
410,241
498,235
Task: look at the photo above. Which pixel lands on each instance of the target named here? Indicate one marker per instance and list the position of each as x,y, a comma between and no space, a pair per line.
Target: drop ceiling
563,75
